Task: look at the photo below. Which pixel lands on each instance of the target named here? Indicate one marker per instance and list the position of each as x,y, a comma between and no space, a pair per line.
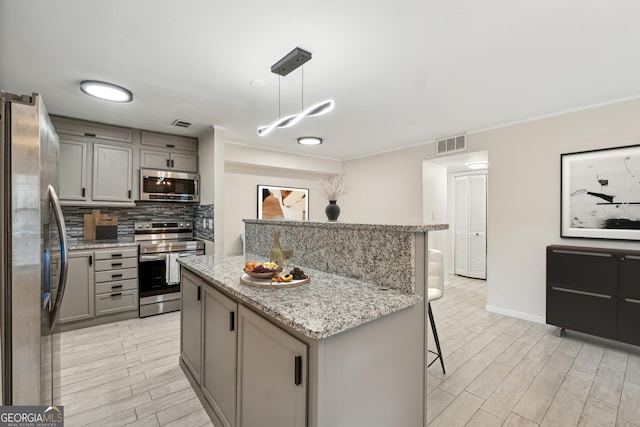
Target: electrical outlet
204,223
210,223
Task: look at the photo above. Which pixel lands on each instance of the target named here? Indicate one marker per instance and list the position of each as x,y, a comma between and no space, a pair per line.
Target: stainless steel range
161,244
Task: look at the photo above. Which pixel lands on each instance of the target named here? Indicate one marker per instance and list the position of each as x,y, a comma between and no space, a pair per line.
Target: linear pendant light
284,66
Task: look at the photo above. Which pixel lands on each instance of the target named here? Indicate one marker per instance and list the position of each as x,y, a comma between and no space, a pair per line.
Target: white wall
523,194
435,204
247,167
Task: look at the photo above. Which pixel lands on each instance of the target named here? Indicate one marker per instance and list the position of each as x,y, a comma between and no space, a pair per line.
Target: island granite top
420,228
326,306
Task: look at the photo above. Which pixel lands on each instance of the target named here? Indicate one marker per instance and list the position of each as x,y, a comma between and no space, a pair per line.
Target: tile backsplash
127,216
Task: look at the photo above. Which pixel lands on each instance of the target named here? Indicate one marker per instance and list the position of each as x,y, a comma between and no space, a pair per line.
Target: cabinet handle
129,193
119,294
90,259
575,291
198,293
90,134
168,163
116,255
84,191
113,276
171,146
171,163
116,264
298,370
232,321
635,301
116,287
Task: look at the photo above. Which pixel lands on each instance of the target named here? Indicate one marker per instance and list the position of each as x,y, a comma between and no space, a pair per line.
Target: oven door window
155,185
152,277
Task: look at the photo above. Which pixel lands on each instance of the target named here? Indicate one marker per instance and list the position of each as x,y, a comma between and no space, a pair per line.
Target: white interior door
470,225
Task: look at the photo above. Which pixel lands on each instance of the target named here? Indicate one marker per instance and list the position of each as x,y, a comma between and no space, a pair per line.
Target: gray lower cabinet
219,368
272,374
191,323
78,303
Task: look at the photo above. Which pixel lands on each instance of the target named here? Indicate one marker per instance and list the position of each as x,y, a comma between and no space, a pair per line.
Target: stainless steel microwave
168,186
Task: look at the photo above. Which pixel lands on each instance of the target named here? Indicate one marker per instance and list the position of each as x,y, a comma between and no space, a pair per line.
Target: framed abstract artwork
285,203
600,194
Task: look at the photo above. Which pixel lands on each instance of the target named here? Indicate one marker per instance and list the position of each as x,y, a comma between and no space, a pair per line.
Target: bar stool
435,291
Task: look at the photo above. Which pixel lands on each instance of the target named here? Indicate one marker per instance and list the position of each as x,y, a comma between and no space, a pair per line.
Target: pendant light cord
302,91
279,115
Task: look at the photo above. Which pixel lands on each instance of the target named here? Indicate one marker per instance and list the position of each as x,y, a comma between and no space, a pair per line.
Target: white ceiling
401,72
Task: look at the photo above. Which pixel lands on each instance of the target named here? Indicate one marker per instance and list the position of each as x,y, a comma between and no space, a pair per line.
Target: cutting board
94,219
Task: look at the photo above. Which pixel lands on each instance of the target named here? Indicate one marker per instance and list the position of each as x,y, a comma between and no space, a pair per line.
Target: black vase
332,210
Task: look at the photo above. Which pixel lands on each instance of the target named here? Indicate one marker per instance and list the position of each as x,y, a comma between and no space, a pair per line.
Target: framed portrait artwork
285,203
600,194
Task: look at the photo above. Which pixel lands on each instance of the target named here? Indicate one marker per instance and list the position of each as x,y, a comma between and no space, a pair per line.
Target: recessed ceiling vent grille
451,144
181,123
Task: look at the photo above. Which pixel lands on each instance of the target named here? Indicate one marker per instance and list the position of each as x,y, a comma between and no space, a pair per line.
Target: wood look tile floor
503,371
127,374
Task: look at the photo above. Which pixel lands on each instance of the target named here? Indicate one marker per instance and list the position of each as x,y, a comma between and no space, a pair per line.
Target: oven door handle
146,258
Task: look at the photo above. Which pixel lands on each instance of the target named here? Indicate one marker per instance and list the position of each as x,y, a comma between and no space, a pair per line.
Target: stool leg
435,336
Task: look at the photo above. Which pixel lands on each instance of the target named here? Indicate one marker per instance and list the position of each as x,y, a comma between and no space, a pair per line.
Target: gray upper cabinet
93,130
112,173
173,152
73,170
152,159
78,301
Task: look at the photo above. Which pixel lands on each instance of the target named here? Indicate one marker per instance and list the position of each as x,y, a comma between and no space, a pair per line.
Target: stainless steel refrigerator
33,263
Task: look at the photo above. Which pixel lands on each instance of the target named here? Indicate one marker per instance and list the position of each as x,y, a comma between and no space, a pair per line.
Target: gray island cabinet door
191,323
78,302
220,354
272,374
112,173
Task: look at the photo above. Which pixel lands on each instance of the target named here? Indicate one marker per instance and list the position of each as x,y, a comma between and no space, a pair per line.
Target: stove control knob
138,225
181,224
147,225
188,225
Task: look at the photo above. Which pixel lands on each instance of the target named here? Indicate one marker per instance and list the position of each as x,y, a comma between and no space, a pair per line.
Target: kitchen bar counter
326,306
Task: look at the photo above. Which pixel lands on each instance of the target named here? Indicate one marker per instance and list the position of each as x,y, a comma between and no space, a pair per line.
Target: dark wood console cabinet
595,291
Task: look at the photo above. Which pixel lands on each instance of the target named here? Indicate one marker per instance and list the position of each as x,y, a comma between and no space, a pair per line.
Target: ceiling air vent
451,144
181,123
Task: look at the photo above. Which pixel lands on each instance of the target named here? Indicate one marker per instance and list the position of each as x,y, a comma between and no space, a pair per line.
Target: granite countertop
418,228
326,306
100,244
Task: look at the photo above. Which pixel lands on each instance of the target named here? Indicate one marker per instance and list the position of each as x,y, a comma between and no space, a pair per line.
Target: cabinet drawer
109,276
585,271
128,252
170,142
116,264
629,320
117,286
116,302
591,313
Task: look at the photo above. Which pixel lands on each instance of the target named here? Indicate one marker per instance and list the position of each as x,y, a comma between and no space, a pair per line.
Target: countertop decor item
332,187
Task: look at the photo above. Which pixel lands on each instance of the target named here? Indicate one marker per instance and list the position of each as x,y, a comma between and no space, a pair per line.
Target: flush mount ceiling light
309,140
106,91
477,165
284,66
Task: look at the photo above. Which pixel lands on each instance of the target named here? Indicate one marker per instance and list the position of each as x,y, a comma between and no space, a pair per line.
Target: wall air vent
451,144
181,123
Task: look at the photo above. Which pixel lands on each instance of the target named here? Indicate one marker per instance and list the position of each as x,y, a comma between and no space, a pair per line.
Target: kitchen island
336,351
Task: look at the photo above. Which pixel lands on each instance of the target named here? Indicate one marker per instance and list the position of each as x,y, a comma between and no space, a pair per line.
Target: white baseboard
516,314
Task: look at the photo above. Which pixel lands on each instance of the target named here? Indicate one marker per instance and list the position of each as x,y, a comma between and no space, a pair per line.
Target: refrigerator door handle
64,266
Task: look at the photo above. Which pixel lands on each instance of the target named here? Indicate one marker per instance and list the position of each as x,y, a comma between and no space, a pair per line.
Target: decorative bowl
268,275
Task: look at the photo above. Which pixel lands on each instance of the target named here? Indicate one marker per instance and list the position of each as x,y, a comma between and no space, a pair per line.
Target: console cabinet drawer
127,252
116,286
116,302
629,329
109,276
590,272
591,313
116,264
